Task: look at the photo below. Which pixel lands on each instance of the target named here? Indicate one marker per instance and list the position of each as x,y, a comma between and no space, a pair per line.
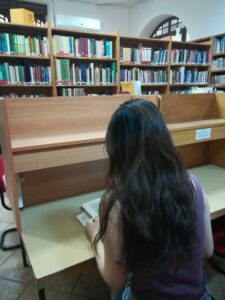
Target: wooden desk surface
29,143
54,239
212,179
33,153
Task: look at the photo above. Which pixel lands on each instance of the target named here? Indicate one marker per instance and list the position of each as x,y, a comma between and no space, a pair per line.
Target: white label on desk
202,134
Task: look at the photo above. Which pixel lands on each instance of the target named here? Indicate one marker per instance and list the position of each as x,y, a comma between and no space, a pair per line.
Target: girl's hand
92,228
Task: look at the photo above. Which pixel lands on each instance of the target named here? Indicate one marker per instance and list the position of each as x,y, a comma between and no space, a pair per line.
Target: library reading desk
54,156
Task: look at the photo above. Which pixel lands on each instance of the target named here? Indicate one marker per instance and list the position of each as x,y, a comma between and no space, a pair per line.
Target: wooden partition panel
61,115
220,99
186,108
195,155
155,99
51,184
217,153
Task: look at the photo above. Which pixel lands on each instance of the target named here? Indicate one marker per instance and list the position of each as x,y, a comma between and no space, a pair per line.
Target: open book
90,210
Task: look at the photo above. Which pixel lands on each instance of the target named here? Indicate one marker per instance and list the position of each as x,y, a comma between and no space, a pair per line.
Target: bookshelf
147,60
85,63
189,66
218,62
88,63
25,62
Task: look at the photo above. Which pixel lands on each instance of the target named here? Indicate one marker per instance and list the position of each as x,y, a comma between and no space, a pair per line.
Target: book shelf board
20,27
31,57
66,31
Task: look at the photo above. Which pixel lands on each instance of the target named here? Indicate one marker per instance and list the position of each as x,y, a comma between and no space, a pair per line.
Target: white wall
201,17
112,17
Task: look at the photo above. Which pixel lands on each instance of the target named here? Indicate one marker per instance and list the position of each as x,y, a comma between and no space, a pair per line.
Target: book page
83,218
92,207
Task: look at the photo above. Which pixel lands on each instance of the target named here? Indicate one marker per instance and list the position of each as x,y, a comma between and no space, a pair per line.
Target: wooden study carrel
54,156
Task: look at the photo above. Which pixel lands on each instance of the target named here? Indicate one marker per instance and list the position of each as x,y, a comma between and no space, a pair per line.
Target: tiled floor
17,282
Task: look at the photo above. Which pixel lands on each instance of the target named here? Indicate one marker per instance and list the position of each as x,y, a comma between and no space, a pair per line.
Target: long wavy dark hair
147,177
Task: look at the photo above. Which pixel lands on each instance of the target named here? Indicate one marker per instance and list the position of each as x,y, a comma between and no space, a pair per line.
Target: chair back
2,183
218,228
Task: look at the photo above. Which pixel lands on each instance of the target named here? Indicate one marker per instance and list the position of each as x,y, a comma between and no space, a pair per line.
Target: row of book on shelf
17,44
218,79
82,47
219,44
72,92
184,56
145,76
184,75
218,64
84,73
24,74
143,55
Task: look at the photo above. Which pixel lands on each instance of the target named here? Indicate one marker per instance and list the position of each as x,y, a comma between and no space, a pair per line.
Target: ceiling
109,2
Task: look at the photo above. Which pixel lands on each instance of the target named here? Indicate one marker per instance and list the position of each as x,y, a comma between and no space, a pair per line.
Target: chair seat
219,242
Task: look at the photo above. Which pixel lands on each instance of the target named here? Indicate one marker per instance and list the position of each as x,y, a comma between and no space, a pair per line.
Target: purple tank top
177,283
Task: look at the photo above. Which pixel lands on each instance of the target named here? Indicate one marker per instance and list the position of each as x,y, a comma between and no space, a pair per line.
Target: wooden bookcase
147,58
54,157
19,58
218,62
123,51
179,66
217,67
95,52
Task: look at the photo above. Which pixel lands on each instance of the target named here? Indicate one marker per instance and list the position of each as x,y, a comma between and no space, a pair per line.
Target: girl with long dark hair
154,224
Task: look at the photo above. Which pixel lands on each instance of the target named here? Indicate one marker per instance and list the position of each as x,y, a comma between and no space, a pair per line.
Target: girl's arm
209,247
109,253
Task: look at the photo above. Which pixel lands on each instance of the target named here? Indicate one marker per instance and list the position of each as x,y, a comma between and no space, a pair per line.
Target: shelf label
202,134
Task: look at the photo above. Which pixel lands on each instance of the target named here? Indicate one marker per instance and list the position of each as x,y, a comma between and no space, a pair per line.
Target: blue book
4,49
107,49
83,68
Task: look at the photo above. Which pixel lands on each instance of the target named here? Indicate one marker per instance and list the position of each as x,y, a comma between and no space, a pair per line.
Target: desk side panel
220,98
217,153
194,155
11,184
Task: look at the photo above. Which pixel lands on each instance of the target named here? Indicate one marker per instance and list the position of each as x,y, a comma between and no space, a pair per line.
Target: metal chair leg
11,247
23,252
3,202
41,294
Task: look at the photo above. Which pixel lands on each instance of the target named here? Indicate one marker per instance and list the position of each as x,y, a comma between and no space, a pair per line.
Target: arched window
171,26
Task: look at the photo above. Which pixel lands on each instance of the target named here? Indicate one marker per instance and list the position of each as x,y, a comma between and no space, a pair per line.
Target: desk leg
24,256
41,294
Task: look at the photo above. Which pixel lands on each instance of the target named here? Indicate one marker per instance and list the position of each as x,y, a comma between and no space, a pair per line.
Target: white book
90,210
92,207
